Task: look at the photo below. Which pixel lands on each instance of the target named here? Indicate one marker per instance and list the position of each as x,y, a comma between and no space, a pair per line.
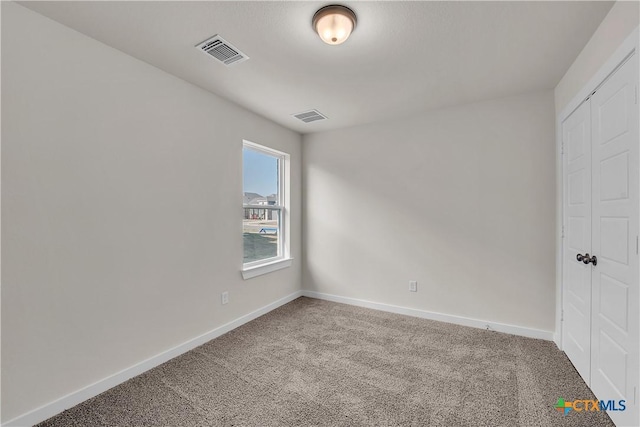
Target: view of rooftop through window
261,226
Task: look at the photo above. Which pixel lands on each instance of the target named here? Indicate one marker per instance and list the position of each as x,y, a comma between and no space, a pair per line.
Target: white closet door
576,136
615,194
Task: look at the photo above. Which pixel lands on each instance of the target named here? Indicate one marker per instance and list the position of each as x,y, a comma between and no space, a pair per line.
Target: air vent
310,116
222,50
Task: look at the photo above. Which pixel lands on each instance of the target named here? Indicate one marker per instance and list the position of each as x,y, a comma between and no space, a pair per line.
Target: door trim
622,53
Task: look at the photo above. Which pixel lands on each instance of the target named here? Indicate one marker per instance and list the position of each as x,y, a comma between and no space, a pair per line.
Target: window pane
260,234
261,227
260,178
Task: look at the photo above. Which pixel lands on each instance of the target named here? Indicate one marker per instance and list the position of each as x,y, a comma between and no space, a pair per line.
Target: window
265,210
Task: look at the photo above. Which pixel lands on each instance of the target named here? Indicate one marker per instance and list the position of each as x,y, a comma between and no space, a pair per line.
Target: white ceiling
402,57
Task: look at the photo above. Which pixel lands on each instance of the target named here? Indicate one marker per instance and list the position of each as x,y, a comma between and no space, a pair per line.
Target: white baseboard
47,411
558,340
50,409
458,320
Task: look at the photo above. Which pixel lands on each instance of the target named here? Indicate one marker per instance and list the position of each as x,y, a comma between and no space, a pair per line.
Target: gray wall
461,200
121,211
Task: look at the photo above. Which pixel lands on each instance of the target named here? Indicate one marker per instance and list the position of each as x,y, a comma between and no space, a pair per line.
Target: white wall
461,200
623,18
121,211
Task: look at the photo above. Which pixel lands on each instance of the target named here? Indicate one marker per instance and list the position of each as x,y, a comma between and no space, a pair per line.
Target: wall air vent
310,116
222,50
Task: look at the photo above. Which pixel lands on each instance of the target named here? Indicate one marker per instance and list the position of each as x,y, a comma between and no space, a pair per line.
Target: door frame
629,46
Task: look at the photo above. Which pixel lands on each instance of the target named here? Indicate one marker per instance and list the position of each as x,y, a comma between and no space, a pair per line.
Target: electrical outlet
413,286
225,297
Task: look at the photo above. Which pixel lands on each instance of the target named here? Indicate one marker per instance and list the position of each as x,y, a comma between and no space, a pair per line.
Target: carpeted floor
314,362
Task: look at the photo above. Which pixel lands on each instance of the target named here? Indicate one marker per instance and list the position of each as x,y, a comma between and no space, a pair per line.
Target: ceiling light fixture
334,23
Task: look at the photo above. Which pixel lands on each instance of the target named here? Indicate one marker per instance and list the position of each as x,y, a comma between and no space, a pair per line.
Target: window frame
283,258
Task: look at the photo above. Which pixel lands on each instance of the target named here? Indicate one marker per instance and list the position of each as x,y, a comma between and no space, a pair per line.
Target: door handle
587,259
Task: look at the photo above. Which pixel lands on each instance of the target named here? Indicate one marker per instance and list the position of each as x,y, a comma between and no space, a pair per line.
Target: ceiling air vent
310,116
222,50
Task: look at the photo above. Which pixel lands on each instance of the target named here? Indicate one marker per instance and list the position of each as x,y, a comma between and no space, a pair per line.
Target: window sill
259,270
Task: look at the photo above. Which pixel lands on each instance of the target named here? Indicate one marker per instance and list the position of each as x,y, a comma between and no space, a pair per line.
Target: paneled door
576,136
615,319
601,216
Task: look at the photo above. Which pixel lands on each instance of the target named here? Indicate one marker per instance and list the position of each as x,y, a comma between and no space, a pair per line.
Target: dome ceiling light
334,23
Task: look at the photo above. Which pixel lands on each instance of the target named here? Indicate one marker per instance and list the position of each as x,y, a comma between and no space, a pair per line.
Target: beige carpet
314,362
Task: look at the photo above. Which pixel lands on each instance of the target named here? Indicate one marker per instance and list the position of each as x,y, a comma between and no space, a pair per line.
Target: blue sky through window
259,173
